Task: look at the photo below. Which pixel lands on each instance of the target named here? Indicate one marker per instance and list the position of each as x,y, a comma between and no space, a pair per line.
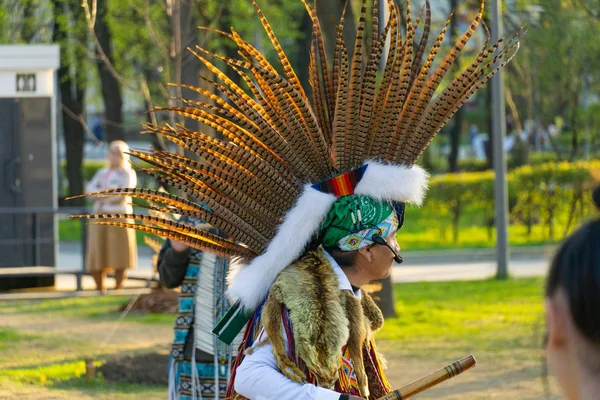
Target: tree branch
90,17
79,118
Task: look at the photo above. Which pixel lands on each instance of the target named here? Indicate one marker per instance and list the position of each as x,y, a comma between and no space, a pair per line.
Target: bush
472,165
539,194
542,158
450,194
553,190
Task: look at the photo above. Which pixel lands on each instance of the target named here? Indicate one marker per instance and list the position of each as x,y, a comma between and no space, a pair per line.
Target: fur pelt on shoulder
323,320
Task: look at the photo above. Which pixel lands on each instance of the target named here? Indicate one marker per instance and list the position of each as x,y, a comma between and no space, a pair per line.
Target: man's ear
557,325
366,253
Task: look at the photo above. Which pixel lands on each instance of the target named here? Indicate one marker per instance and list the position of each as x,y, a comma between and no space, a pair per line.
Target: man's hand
178,246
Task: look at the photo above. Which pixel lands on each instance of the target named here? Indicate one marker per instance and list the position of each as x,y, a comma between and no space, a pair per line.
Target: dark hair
576,269
345,259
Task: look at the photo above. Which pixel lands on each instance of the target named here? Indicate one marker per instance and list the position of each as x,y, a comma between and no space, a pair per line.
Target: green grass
20,349
47,374
48,362
80,307
69,376
490,315
499,321
98,308
11,337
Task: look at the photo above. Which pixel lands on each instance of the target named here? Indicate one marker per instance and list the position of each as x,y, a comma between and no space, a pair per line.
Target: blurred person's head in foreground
573,312
118,156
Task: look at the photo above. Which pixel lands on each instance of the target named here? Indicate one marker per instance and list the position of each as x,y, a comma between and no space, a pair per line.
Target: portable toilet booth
28,156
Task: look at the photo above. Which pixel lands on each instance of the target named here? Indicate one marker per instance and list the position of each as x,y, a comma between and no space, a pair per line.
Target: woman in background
573,313
112,248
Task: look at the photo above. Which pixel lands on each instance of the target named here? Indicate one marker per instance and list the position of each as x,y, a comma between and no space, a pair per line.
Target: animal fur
323,319
393,182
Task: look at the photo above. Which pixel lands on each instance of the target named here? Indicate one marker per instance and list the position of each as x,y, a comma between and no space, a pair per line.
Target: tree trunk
455,140
488,106
574,122
456,129
304,46
225,23
29,23
72,91
73,134
385,298
111,87
332,9
489,145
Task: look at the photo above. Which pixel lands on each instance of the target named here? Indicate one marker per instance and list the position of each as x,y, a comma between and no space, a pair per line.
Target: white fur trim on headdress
250,284
393,182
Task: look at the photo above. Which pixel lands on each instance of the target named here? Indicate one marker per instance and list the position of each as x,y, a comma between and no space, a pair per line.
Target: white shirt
109,178
258,377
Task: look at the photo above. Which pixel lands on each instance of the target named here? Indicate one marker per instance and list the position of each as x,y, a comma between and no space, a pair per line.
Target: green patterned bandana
353,220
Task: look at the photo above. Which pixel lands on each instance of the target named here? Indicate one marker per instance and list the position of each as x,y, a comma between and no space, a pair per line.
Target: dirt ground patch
148,369
512,374
157,302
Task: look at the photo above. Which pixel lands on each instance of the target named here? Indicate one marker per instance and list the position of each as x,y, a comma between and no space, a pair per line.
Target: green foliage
547,77
4,37
25,21
451,193
552,189
472,165
142,35
475,165
549,194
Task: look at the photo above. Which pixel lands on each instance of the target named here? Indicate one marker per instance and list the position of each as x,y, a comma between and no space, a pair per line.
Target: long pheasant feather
201,240
354,94
287,66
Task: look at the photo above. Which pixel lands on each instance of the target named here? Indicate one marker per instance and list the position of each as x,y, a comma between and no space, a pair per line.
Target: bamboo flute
431,380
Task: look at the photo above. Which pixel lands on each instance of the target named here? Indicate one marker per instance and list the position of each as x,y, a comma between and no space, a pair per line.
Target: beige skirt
110,248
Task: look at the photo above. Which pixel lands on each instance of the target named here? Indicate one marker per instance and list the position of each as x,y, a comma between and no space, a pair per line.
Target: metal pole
36,235
499,155
84,250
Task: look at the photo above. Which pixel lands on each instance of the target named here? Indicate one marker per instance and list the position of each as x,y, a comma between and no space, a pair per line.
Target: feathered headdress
285,158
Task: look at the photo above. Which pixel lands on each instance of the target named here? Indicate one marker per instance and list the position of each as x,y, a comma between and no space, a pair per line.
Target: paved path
466,271
417,267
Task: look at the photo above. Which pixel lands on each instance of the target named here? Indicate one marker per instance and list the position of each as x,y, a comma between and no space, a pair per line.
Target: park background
117,58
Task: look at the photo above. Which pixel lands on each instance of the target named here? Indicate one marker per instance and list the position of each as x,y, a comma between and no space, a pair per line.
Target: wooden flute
431,380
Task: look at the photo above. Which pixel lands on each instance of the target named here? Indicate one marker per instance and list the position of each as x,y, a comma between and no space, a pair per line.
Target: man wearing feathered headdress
311,192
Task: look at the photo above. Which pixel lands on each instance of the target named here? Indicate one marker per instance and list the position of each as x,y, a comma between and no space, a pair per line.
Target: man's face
382,258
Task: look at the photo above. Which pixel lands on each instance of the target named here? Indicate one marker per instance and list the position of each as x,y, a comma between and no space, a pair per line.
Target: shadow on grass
101,386
154,357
